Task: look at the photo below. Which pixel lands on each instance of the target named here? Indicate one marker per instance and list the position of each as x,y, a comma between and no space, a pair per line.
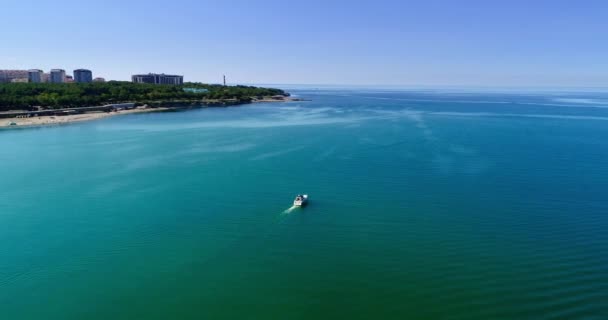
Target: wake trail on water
287,211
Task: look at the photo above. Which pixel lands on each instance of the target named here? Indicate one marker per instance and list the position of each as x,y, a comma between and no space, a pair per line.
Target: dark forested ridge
74,95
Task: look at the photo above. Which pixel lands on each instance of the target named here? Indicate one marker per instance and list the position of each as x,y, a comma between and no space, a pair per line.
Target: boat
301,200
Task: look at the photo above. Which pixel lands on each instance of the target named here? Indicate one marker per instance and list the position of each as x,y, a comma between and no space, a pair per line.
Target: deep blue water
435,204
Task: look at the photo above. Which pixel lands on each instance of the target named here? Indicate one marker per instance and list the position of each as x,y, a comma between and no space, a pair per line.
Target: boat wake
287,211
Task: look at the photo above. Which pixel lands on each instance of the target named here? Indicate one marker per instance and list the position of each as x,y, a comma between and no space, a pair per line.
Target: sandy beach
55,120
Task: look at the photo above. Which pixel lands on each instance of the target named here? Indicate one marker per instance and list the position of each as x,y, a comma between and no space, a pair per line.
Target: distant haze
506,43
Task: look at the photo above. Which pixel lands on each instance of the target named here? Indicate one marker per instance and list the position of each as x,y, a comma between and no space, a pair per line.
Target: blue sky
470,43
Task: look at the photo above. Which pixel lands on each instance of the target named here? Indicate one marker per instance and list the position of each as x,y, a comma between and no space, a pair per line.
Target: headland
39,104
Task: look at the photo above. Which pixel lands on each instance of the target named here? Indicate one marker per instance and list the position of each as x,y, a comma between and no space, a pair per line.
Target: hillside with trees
28,96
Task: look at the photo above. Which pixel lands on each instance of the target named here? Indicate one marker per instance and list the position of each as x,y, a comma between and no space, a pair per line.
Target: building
155,78
99,79
10,75
35,76
195,90
57,76
46,77
83,76
69,79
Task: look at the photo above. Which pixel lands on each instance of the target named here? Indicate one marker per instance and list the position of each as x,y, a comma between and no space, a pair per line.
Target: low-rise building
196,90
9,75
155,78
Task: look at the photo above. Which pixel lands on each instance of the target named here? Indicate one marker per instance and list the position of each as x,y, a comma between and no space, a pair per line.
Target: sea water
436,204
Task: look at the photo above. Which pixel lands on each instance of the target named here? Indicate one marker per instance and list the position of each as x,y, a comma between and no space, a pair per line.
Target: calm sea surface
424,205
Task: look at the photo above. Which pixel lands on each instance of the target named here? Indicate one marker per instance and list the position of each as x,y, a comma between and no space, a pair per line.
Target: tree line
28,96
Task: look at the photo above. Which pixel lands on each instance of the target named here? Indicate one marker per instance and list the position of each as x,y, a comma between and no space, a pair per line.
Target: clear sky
500,43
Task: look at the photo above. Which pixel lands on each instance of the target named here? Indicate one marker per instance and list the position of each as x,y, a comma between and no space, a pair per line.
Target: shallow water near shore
428,204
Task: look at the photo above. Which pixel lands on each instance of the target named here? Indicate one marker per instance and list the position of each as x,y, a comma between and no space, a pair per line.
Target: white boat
300,200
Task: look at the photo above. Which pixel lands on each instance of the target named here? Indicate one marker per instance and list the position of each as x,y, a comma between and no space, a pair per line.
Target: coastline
282,99
58,120
10,123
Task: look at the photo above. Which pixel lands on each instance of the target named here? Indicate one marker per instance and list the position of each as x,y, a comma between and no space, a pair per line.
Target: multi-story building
34,75
10,75
57,76
156,78
83,76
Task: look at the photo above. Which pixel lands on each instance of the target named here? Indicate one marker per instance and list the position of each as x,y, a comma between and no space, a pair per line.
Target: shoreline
284,99
40,121
59,120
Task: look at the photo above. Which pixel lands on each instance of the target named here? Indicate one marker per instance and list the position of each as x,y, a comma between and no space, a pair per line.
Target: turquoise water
424,205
